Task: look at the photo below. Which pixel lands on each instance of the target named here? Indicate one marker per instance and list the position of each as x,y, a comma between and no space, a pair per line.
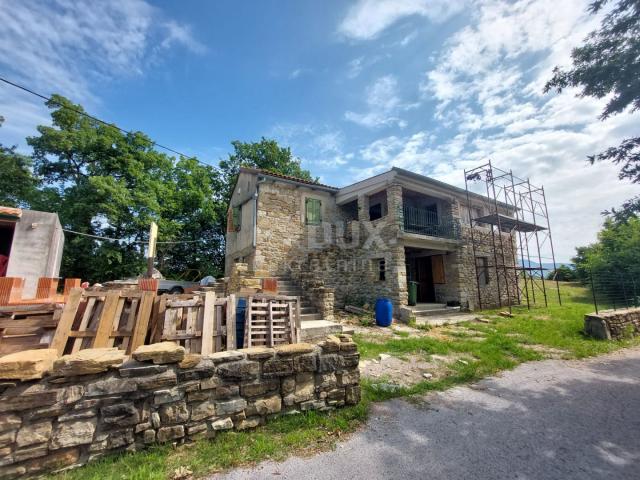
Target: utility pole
151,252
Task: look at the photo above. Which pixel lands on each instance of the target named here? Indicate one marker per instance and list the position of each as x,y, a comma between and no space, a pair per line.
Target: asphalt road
544,420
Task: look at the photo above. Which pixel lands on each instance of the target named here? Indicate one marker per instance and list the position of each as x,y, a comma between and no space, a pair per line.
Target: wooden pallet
96,319
200,322
27,327
271,320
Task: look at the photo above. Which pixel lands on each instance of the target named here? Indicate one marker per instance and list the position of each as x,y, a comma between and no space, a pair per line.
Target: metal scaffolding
511,219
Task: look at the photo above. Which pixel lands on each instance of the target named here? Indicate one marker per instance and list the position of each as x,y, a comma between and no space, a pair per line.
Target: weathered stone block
264,406
70,434
168,396
110,386
329,363
348,378
247,423
39,432
166,434
7,438
202,410
190,360
121,414
352,394
199,396
288,385
133,368
305,363
9,422
222,424
226,356
350,361
259,353
209,383
88,361
258,388
326,380
76,415
277,368
242,370
312,405
330,345
154,382
226,391
160,353
294,349
23,454
27,365
149,436
120,439
229,407
28,398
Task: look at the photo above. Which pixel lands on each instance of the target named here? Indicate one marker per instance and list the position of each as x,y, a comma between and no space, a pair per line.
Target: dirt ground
411,369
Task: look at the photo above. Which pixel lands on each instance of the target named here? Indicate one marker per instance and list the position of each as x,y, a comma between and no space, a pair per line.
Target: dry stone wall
613,324
88,405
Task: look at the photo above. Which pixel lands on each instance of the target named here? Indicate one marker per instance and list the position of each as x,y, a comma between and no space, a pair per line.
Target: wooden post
231,323
208,322
66,320
151,253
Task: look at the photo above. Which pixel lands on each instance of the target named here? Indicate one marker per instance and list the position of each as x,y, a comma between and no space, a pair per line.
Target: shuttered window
437,267
313,215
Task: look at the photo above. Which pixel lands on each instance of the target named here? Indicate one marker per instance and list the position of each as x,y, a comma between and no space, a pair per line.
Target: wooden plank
158,324
231,322
105,322
194,302
45,321
116,320
247,323
66,320
142,321
208,323
130,323
218,329
191,327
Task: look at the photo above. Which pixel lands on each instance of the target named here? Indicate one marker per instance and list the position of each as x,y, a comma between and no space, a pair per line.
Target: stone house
369,239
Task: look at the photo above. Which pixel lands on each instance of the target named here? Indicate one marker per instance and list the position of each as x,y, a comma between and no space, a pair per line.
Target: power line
99,237
80,112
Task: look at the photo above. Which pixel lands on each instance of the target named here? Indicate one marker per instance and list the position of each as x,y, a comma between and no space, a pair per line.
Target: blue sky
353,87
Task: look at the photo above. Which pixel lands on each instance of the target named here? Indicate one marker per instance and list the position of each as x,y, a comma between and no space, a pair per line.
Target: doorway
6,239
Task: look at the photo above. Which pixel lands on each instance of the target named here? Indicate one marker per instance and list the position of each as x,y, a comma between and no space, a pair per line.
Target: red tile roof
10,212
285,177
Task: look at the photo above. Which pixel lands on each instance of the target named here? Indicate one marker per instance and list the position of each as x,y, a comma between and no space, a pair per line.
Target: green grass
505,345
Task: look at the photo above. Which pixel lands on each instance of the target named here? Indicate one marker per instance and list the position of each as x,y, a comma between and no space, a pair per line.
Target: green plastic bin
413,293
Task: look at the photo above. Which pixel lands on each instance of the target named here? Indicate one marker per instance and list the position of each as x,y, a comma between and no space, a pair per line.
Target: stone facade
67,419
613,324
341,258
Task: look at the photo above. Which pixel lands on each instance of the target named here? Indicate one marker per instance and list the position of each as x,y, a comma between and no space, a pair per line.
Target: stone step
290,292
437,312
305,317
448,319
427,306
313,330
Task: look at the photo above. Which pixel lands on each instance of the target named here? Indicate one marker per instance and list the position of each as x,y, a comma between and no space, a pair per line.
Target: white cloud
383,105
368,18
67,47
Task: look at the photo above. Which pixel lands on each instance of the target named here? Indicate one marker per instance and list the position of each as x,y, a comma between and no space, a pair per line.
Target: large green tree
265,154
112,184
18,186
608,66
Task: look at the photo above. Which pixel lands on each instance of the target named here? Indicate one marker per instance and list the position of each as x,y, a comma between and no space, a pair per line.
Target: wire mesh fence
614,290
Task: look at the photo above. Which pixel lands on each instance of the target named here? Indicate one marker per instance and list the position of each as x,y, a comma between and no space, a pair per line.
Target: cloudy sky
433,86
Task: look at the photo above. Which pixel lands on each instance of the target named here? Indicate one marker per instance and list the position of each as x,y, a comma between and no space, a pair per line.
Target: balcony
426,222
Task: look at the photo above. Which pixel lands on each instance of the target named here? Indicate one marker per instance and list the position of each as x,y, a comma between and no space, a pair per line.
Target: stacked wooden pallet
27,327
200,322
271,320
95,319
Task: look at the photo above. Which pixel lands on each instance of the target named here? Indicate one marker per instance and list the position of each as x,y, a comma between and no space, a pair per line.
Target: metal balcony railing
426,222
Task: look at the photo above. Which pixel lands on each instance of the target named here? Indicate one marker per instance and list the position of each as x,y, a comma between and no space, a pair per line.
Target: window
375,211
482,264
237,218
313,211
381,265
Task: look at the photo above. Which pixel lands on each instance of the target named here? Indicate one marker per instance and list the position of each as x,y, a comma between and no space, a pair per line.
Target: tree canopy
104,182
608,66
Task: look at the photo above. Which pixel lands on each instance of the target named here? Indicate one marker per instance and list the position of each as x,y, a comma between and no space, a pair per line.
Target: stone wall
98,401
613,324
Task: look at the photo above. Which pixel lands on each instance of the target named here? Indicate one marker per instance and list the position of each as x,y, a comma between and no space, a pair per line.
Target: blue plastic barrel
384,312
241,308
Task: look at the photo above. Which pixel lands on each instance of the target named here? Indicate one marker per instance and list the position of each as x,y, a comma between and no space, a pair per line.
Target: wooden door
424,274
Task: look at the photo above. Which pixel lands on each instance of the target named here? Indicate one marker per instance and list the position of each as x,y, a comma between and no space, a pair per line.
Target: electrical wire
80,112
99,237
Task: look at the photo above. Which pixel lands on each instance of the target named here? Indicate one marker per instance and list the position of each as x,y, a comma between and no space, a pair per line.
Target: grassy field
505,343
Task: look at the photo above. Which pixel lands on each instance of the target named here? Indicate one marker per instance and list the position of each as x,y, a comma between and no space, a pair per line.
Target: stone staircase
314,327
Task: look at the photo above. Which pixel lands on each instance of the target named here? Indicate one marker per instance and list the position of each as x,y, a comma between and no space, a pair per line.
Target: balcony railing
426,222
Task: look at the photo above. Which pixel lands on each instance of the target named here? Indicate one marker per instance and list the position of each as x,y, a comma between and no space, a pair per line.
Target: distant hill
545,265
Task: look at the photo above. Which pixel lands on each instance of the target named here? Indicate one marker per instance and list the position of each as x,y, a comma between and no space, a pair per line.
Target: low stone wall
613,324
90,404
